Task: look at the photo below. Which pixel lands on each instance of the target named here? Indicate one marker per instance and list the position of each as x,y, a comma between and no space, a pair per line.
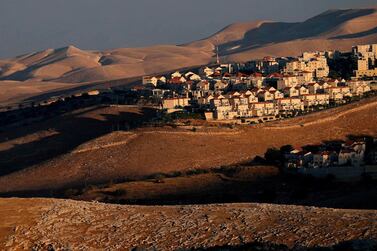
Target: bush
286,149
197,171
258,160
71,192
120,192
273,156
158,176
116,193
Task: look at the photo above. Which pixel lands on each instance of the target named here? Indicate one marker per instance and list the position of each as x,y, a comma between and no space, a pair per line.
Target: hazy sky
32,25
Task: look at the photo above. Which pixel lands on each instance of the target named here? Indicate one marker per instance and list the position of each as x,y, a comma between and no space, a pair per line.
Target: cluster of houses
225,93
287,98
270,88
348,160
350,153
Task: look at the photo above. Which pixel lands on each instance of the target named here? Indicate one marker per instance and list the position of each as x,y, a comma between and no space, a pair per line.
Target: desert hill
80,147
40,224
73,65
334,29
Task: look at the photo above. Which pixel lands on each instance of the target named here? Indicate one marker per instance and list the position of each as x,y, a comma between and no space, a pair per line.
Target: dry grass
182,185
13,92
160,150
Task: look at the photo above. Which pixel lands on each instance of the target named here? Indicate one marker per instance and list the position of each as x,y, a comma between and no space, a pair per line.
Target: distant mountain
333,29
72,65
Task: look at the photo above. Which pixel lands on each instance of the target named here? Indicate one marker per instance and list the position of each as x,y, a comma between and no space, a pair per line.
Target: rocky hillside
70,225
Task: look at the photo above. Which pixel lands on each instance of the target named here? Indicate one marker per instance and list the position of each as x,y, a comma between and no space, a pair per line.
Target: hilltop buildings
343,160
365,60
350,153
275,87
314,64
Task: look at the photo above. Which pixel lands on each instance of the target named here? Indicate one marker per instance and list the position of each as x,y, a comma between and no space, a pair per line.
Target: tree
273,156
286,149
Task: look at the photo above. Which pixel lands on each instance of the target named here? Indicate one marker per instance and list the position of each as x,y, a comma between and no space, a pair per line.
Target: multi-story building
263,109
172,103
265,65
358,87
312,62
365,57
311,100
287,81
291,92
265,95
314,87
289,104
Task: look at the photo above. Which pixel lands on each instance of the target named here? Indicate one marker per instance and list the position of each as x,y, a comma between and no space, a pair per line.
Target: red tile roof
257,74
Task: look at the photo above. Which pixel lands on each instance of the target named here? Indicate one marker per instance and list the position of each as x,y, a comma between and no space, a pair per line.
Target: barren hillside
72,65
87,154
61,225
335,29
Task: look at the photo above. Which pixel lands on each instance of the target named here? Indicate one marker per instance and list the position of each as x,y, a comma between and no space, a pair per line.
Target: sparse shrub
159,181
116,193
197,171
158,176
177,174
89,188
258,160
71,192
229,171
120,192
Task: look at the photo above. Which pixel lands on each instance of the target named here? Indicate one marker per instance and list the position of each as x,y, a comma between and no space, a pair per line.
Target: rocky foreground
48,224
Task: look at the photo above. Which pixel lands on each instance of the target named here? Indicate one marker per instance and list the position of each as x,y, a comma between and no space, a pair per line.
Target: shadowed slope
256,38
154,151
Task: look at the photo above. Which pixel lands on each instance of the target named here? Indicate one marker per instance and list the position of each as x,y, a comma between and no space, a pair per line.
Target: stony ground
70,225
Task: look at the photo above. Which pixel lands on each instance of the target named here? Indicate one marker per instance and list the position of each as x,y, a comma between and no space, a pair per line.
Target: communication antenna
217,51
